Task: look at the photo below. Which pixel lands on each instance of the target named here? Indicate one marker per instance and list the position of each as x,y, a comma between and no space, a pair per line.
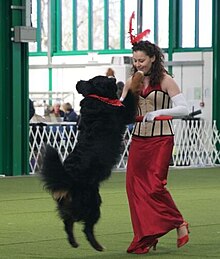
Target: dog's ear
104,86
84,87
112,84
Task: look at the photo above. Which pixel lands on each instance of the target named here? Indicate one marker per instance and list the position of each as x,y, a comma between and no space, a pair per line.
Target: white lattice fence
195,143
62,137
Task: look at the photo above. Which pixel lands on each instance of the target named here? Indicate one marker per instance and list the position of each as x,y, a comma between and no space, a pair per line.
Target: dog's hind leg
92,218
89,232
68,225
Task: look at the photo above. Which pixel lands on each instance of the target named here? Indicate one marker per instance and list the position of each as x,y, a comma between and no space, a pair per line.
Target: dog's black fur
75,182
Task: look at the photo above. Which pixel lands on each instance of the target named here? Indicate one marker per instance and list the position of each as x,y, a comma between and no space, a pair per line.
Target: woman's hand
150,116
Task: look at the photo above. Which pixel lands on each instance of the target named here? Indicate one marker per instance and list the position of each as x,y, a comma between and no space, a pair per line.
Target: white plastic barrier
195,143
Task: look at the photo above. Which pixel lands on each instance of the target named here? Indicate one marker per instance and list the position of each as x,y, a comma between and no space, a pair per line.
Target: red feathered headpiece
138,37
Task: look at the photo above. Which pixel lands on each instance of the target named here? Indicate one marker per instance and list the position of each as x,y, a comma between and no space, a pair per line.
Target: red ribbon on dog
114,102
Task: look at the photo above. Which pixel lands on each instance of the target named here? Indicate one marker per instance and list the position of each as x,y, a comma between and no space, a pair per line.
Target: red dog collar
114,102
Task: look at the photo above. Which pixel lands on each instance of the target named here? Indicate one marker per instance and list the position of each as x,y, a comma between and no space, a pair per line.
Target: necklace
148,73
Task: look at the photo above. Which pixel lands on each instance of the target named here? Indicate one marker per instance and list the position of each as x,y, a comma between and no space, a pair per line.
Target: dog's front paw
110,72
137,82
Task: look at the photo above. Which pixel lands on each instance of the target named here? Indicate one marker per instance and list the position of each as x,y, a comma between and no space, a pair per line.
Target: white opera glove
149,116
179,109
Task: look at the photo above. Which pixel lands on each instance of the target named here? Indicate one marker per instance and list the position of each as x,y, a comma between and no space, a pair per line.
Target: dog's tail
52,172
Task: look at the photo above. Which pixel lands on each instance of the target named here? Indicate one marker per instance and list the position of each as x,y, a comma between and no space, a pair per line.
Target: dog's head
98,85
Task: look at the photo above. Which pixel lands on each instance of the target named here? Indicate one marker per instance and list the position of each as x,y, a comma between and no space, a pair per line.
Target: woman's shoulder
167,78
169,85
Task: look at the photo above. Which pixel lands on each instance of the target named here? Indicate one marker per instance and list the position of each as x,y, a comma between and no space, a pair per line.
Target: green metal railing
174,32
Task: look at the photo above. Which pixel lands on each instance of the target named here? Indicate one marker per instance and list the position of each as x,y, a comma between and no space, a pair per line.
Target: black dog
75,183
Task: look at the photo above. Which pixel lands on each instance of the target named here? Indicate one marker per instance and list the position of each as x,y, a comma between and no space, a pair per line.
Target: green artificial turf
30,227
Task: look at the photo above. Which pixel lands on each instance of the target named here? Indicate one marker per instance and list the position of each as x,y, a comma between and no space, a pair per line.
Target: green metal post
173,8
50,73
58,21
122,25
90,25
139,15
216,64
5,89
197,23
14,92
156,21
75,25
106,24
39,26
52,39
52,28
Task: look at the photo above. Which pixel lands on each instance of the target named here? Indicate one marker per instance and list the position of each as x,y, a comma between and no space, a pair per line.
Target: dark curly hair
157,69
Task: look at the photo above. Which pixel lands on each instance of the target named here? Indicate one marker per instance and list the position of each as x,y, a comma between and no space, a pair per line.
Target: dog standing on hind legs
74,183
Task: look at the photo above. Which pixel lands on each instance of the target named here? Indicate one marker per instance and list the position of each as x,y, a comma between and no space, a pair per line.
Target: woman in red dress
152,209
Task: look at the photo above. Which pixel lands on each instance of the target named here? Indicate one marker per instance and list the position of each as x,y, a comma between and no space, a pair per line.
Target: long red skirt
153,211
